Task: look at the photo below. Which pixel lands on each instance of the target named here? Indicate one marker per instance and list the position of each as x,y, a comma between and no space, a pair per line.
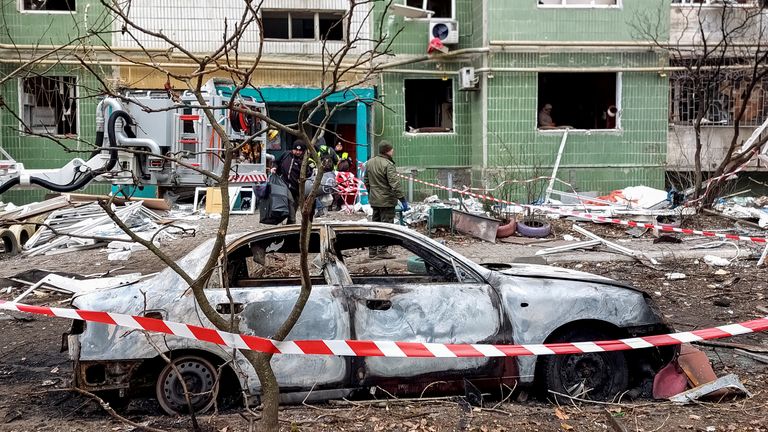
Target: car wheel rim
588,373
199,378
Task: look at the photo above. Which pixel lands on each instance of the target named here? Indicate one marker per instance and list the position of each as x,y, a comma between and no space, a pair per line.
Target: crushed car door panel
416,298
264,278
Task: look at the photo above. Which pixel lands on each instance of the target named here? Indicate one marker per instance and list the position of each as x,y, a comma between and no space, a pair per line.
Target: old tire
201,379
534,229
506,230
605,374
9,242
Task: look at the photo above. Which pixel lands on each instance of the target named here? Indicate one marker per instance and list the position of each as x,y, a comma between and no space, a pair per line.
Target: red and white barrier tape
596,218
368,348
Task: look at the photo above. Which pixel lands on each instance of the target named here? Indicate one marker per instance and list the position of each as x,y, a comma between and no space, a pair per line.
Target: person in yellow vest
345,162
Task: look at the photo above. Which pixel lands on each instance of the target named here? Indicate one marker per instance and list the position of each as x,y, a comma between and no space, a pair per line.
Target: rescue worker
345,162
288,166
328,156
383,192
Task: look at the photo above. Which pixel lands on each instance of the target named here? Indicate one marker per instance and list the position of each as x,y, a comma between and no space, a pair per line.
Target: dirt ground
34,374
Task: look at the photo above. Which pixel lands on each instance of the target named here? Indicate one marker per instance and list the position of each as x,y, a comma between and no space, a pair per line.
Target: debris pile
67,224
745,208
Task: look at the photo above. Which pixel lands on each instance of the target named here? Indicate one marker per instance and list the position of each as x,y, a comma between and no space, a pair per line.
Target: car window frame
245,242
449,260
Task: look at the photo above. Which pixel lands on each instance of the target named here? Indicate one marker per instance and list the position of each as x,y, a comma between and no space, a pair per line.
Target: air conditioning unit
447,30
467,79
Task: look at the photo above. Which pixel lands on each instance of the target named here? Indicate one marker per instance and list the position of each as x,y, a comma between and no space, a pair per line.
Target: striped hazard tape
596,218
368,348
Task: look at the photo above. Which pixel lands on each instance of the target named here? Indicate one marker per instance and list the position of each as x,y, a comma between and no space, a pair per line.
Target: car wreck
431,294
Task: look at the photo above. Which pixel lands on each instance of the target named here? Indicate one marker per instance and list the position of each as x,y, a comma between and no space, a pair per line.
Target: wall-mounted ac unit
447,30
467,79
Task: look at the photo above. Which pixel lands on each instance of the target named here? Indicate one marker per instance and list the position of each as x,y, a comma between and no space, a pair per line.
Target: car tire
604,374
506,230
534,229
201,378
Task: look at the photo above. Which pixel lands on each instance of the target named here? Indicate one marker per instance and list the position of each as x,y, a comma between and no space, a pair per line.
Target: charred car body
436,296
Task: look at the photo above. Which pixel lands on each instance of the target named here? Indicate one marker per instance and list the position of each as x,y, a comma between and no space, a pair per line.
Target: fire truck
166,129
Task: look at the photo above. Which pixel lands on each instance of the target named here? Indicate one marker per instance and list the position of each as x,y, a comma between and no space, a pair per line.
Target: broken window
719,95
412,262
441,8
331,25
580,2
303,25
578,100
428,105
272,261
49,105
48,5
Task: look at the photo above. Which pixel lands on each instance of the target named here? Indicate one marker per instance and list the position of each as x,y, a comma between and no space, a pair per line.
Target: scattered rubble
75,222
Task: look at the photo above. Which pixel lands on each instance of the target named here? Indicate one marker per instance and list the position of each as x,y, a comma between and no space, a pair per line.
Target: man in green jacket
384,192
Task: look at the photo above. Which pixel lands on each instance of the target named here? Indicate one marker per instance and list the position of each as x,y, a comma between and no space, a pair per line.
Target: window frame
453,110
424,6
317,37
716,4
558,131
23,129
20,8
410,244
563,4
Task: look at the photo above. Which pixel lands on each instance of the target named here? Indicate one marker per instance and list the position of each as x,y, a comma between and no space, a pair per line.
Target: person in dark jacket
384,192
288,167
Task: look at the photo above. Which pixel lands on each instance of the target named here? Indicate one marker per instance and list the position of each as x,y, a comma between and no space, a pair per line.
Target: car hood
545,271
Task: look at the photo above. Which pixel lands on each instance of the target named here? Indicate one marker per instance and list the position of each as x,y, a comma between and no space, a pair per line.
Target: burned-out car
431,294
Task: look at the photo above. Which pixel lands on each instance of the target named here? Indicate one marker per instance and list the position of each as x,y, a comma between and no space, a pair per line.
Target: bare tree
718,59
342,66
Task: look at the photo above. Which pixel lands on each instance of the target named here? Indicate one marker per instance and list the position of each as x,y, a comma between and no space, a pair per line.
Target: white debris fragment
119,256
569,237
675,276
716,261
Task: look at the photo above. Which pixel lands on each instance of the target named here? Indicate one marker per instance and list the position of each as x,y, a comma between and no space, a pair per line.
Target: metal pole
450,185
410,188
557,166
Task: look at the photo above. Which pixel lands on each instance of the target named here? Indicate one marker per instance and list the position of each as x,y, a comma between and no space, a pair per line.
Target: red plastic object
669,381
436,45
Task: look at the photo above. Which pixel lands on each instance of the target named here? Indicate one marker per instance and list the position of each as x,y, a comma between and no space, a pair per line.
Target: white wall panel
199,26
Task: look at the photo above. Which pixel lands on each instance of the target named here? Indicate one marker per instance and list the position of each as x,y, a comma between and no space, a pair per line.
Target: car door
421,296
263,279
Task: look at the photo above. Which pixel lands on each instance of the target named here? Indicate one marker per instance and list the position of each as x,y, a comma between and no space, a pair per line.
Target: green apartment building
473,112
52,98
481,124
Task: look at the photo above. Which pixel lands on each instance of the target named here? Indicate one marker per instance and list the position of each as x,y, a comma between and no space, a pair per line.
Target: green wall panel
39,152
425,150
412,34
526,20
43,28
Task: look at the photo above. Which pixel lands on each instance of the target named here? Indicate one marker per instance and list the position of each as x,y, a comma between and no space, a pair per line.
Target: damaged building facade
60,101
471,115
724,37
476,111
54,97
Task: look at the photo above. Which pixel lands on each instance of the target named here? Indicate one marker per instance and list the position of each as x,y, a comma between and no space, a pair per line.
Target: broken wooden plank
151,203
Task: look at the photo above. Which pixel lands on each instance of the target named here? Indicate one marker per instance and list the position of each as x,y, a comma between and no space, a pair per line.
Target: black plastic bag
275,208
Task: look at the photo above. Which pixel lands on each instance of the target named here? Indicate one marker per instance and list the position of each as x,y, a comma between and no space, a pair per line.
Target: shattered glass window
49,105
718,98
